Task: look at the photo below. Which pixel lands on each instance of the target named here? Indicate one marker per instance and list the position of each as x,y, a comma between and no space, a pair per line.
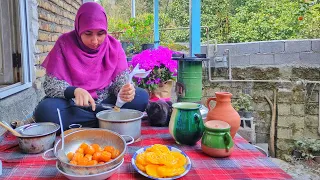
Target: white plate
99,176
187,166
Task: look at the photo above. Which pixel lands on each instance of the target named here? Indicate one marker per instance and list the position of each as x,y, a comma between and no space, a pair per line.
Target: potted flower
315,150
300,148
308,149
137,33
243,105
159,82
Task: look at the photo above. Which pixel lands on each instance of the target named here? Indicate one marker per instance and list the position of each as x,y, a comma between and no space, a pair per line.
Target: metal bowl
102,137
125,122
37,137
99,176
204,112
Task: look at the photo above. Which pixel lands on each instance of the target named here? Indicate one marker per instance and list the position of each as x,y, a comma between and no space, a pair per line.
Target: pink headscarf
91,69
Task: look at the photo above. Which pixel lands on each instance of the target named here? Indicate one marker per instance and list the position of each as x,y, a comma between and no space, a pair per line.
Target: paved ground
300,170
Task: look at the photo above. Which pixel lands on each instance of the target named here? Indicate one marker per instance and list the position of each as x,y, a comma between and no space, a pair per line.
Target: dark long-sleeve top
54,87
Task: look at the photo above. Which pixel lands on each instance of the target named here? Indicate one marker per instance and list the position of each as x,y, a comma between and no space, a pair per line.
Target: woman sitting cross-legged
85,69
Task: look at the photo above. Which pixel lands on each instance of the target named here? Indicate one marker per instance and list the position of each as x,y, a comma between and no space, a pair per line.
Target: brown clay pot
224,111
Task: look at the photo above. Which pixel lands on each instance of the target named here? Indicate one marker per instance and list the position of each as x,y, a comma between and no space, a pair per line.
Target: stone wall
297,108
48,19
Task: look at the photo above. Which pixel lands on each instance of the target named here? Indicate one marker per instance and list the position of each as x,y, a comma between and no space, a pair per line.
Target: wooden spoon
9,128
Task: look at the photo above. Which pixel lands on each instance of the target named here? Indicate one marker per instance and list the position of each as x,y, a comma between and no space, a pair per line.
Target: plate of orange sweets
161,162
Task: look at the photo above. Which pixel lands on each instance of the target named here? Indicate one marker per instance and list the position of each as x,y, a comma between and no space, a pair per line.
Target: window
15,58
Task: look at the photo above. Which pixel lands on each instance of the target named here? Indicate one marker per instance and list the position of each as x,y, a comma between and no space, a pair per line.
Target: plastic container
136,72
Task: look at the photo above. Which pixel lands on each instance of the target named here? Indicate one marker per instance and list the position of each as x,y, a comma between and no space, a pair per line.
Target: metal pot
73,140
125,122
37,137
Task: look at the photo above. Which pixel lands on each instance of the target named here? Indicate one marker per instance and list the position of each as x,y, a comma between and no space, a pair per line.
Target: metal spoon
9,128
62,156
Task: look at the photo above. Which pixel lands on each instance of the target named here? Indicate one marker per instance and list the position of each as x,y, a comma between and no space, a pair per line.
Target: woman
86,69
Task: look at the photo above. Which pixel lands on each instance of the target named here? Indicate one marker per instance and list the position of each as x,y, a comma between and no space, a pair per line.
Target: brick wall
55,17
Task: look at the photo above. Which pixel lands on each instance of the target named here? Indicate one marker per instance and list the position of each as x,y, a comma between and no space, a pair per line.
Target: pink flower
157,81
149,82
159,60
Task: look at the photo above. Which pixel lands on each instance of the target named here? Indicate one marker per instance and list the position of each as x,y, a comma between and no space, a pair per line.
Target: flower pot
296,154
163,91
126,45
147,46
241,113
247,114
317,159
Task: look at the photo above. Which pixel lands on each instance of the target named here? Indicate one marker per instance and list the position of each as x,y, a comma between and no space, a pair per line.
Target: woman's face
93,38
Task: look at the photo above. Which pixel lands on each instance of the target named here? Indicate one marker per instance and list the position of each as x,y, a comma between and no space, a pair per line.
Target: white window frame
26,57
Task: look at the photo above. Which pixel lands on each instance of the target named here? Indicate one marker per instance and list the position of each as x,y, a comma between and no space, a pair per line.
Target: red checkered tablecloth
246,162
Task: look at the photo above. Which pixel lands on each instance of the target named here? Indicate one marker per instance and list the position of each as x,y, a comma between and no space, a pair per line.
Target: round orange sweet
84,145
83,161
115,153
80,150
96,147
92,163
73,162
105,156
88,156
70,155
77,156
96,156
110,149
89,150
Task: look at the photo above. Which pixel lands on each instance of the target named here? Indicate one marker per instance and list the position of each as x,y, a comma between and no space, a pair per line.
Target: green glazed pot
186,125
216,140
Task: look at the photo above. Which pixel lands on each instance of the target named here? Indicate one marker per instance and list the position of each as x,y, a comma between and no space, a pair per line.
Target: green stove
189,81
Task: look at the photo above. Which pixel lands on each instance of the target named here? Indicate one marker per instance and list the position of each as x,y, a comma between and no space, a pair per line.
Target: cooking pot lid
125,115
38,129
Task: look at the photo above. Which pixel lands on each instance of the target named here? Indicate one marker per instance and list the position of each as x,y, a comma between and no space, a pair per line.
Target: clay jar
216,140
224,111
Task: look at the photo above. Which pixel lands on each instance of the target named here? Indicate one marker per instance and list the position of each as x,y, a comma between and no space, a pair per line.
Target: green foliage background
227,20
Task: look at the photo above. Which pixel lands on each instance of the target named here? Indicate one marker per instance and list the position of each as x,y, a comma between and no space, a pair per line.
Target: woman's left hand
127,93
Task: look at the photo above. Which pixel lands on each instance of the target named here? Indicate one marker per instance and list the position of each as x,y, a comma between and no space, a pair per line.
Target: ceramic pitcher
216,140
186,125
224,111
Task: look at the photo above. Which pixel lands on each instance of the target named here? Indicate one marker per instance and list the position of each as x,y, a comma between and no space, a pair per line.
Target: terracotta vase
224,111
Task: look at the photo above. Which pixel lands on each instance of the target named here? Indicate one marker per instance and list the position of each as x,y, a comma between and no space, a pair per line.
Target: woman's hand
83,98
127,93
